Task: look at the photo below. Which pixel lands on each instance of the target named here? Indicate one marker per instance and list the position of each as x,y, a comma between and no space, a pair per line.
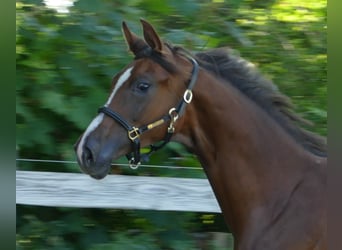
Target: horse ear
134,43
151,36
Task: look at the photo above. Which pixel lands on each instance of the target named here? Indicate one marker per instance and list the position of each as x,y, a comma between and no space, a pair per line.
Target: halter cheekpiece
174,113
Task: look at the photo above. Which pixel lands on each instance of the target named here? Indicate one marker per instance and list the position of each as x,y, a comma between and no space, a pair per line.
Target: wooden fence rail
114,191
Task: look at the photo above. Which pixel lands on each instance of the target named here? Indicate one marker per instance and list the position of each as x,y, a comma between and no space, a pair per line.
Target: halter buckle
133,134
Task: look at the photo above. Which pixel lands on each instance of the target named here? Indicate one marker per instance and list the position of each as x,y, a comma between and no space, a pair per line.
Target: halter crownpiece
173,115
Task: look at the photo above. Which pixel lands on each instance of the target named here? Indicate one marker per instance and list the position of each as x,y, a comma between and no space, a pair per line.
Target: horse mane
245,77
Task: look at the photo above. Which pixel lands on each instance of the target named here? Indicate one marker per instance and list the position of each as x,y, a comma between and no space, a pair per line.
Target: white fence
114,191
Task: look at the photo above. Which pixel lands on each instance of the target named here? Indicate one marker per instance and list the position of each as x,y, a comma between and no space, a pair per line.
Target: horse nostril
88,157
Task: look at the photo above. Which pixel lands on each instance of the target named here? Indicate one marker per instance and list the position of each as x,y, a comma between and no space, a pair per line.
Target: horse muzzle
94,160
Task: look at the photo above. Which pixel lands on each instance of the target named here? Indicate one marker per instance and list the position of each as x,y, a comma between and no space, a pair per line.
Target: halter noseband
172,116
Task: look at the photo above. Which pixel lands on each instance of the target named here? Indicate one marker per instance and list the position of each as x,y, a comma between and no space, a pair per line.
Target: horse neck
247,157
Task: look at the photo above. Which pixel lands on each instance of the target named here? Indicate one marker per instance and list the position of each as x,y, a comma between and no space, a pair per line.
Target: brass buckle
133,134
187,96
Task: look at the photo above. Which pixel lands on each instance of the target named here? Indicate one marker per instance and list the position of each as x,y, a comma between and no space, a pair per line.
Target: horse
268,173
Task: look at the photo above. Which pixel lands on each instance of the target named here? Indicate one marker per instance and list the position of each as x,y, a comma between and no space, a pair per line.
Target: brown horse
268,174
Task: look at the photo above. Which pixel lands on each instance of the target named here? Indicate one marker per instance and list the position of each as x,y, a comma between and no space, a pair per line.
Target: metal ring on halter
173,117
132,165
187,97
173,114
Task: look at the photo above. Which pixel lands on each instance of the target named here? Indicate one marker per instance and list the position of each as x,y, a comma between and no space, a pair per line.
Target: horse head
146,99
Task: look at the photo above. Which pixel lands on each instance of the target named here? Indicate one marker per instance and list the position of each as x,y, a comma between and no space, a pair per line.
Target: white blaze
99,118
123,78
92,126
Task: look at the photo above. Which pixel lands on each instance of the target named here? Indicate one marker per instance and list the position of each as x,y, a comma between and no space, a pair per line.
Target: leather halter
134,132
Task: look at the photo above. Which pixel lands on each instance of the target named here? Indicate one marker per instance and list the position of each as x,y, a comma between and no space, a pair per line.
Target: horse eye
143,86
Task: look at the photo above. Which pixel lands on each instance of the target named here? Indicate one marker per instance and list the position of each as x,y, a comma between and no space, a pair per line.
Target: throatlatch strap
192,82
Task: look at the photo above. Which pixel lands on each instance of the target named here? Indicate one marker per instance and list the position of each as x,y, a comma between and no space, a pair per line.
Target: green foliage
65,63
69,228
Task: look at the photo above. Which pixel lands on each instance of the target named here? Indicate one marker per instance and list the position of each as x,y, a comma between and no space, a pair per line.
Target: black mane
242,75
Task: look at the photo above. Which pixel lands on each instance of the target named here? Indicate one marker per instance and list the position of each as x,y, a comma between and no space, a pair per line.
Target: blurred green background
65,62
